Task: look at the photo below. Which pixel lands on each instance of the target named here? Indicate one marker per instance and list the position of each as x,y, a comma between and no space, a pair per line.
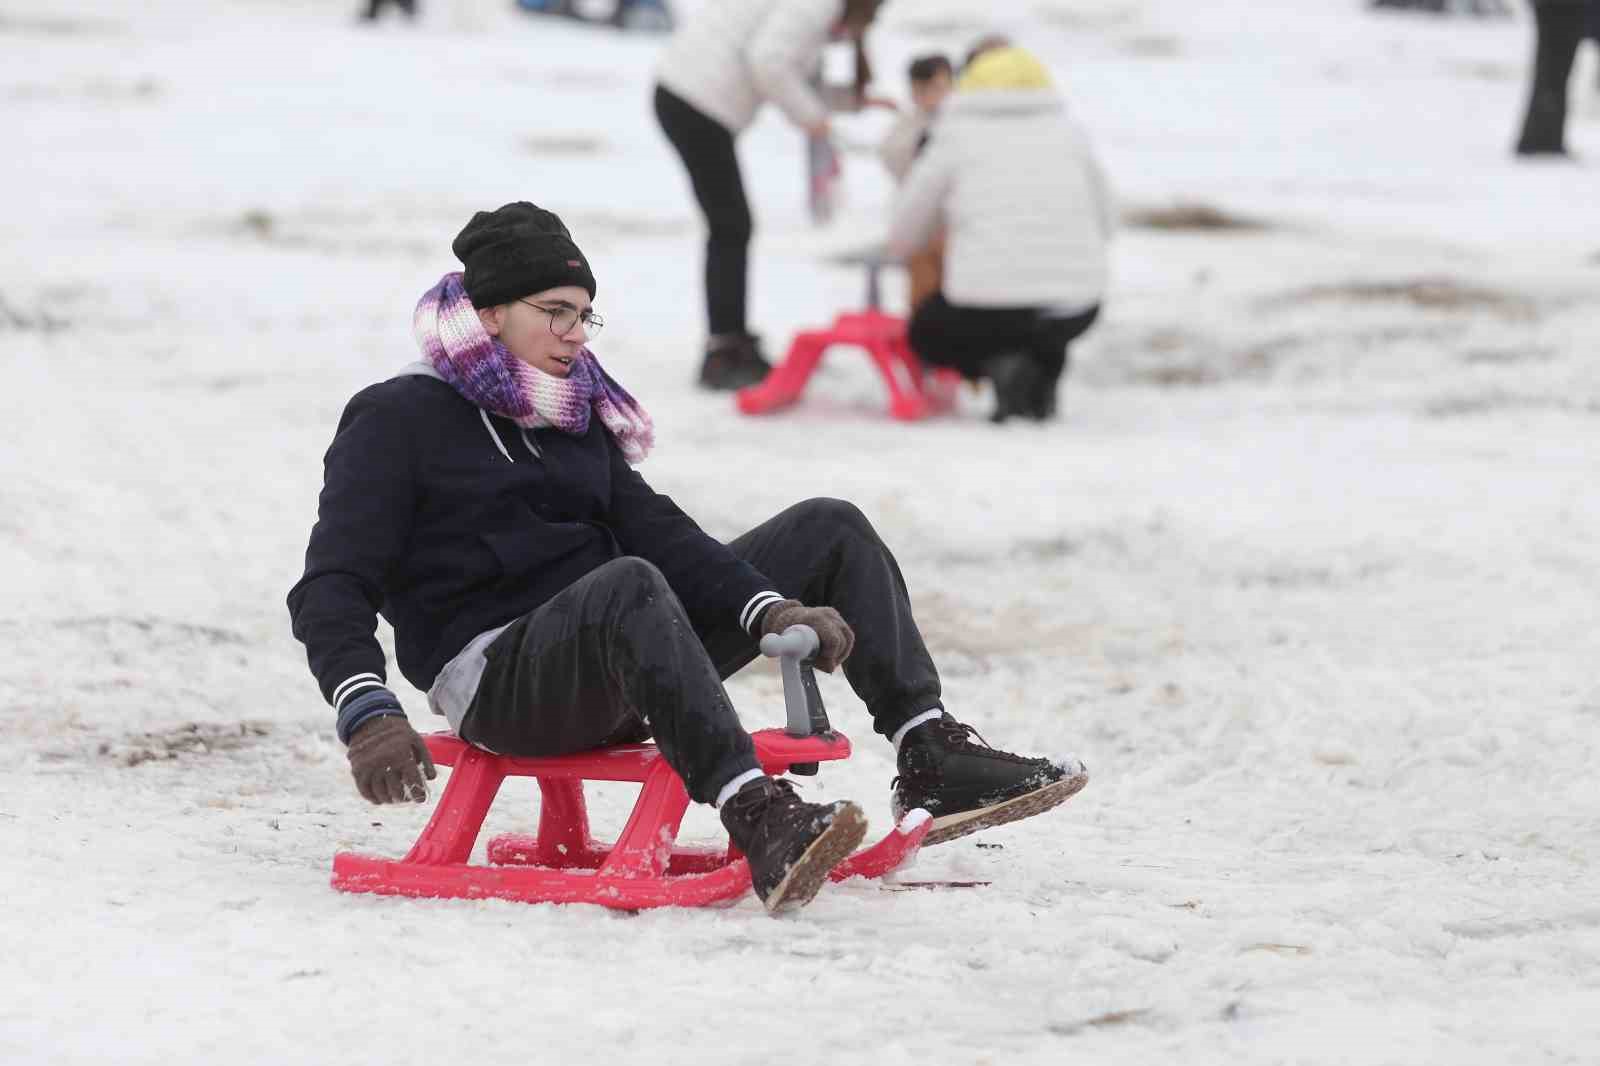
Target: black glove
832,631
388,758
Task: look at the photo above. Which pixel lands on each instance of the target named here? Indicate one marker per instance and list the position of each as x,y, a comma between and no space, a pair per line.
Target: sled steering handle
798,642
794,649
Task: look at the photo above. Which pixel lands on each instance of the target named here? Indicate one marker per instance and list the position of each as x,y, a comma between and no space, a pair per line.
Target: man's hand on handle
388,759
834,634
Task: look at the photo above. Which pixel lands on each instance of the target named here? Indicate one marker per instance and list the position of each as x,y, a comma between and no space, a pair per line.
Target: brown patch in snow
47,26
190,739
1507,356
1425,293
1494,401
1192,216
570,144
1152,46
1101,1021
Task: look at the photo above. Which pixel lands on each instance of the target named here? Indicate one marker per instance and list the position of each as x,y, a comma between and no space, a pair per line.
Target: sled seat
914,393
562,863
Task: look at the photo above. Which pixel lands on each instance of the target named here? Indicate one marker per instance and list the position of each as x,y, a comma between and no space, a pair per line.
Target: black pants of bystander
706,148
375,8
1558,30
967,339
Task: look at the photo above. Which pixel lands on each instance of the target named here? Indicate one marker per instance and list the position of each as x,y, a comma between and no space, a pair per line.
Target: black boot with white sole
950,771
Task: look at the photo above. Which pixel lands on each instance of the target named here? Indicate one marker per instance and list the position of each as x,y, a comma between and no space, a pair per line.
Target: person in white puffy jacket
1027,218
728,59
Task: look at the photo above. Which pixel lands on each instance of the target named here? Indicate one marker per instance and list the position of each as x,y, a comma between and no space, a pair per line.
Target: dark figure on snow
727,60
1559,26
1591,27
375,8
1448,7
1027,219
549,601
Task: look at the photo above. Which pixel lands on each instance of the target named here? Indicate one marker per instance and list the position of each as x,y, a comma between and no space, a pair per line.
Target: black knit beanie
516,250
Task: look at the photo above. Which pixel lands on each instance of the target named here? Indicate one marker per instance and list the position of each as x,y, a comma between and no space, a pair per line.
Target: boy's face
927,95
531,328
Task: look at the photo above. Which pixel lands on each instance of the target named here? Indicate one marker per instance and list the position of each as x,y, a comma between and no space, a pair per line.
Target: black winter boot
953,774
791,844
733,361
1017,386
1044,402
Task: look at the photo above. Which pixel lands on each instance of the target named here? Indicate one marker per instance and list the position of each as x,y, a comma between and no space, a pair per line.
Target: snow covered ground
1302,574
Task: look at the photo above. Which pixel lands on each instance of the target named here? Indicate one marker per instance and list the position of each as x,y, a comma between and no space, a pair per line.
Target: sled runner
914,393
645,867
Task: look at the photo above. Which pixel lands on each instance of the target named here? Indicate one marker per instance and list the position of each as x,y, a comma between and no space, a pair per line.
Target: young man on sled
549,601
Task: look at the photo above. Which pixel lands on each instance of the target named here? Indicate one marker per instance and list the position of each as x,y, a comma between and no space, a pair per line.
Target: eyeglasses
564,316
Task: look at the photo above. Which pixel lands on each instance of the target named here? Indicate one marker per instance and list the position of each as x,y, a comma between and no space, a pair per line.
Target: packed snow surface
1306,573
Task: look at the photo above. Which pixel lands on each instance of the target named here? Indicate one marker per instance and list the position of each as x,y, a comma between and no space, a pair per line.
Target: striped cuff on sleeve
351,685
752,610
359,697
372,703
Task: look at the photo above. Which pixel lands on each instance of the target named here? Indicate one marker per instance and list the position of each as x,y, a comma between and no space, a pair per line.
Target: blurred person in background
932,79
1592,28
376,8
987,43
728,59
1559,26
1027,217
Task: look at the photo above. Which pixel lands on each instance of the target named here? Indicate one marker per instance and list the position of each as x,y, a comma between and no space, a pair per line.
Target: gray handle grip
794,649
796,642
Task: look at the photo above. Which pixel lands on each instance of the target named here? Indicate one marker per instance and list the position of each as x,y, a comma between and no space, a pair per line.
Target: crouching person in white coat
1027,218
731,57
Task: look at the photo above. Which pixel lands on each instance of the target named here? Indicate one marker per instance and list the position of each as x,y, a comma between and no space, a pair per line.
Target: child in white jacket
719,68
1027,218
932,78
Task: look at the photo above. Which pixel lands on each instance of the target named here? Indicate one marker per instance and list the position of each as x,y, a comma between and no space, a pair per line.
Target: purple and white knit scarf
480,368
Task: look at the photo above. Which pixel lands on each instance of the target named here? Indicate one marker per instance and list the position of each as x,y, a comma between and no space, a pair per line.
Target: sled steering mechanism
795,649
645,866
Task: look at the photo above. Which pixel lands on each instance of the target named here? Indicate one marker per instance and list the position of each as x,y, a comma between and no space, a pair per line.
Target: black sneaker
791,844
1017,386
953,774
733,361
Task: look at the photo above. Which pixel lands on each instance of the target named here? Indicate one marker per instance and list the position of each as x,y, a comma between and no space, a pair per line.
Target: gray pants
614,657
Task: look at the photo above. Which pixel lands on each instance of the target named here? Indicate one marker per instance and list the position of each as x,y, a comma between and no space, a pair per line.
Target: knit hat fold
516,250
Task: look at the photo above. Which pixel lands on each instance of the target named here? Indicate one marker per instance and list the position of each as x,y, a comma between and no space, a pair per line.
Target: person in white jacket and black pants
731,57
1027,218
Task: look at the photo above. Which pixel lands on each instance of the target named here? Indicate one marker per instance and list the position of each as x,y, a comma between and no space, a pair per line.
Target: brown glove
385,753
832,631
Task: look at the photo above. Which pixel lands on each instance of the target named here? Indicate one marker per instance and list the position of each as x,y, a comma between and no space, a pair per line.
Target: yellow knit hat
1004,68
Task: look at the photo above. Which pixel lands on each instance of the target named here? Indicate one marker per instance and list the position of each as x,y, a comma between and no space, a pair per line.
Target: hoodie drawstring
498,443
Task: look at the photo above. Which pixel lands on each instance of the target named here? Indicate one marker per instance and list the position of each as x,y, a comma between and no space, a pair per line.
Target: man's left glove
833,632
388,759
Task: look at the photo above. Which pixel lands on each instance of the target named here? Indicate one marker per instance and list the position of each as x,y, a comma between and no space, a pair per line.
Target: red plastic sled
913,392
562,863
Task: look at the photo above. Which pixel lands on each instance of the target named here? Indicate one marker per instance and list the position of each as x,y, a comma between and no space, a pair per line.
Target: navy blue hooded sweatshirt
450,521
